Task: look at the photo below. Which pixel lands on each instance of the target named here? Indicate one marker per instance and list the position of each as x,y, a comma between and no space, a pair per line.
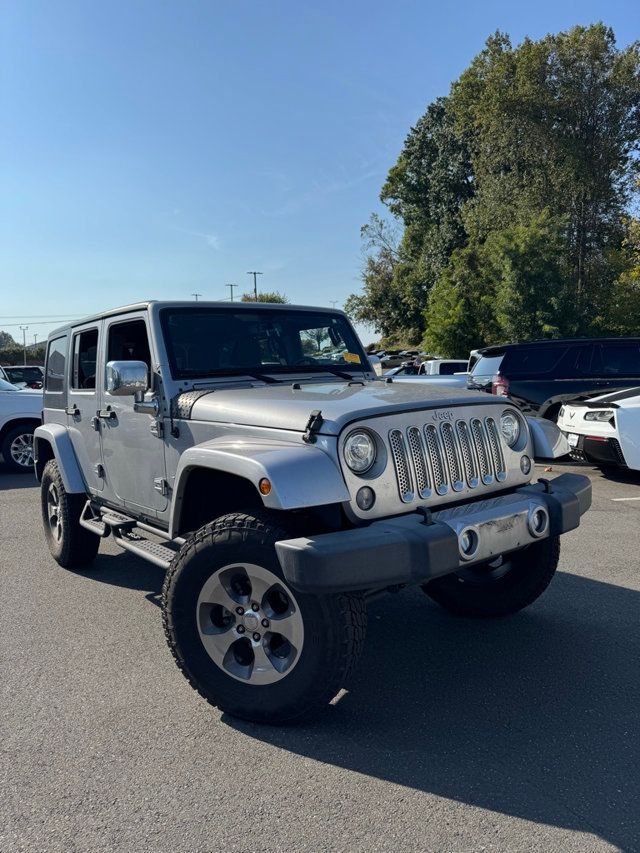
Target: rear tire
70,544
225,602
493,589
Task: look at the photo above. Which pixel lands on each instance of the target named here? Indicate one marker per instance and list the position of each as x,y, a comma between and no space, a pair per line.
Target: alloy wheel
250,624
22,450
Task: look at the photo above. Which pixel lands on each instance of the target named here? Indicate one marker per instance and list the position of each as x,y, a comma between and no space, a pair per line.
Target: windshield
7,386
24,374
216,341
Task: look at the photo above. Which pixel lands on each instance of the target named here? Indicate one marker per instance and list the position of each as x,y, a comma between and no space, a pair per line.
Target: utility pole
195,296
24,342
334,302
231,286
35,341
255,273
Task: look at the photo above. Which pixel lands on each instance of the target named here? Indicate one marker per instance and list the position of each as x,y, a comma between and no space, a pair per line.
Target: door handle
74,411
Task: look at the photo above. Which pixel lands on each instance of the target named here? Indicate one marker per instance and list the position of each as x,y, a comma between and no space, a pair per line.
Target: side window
129,342
620,359
85,355
577,362
56,360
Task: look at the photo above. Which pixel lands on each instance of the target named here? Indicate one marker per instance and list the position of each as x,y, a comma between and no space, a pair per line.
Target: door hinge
161,485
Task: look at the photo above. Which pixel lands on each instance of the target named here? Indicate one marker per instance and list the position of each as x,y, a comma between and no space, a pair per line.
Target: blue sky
152,149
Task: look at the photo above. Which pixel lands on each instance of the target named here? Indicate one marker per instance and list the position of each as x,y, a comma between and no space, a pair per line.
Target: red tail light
500,386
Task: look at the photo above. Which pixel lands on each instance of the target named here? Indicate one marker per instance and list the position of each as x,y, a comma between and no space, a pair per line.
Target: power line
57,322
36,316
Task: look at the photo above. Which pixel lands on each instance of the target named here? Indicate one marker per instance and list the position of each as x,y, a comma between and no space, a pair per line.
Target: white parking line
625,499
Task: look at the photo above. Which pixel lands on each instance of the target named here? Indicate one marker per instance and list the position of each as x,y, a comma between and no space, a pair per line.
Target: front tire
499,588
244,640
70,544
17,449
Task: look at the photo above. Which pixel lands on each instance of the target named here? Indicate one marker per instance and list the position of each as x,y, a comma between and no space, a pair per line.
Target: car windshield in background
216,341
24,374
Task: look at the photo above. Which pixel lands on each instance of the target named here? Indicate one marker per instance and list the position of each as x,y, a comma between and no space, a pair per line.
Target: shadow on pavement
129,572
536,716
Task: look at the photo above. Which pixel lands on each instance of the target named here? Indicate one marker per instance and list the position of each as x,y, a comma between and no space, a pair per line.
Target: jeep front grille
403,475
446,457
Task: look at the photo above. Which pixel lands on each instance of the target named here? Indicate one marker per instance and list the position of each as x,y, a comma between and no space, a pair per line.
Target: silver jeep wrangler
251,451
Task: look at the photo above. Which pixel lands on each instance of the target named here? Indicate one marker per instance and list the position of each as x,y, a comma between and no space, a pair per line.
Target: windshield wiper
320,368
215,374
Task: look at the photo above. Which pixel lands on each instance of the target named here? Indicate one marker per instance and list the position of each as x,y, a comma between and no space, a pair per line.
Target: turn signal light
265,486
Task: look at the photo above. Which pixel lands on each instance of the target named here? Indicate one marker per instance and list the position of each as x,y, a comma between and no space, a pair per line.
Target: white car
20,414
604,430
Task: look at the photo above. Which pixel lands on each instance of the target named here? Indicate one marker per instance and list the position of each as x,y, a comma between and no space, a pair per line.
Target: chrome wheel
250,624
53,512
21,450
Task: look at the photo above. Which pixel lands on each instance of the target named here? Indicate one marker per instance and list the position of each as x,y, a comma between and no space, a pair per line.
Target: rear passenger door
83,403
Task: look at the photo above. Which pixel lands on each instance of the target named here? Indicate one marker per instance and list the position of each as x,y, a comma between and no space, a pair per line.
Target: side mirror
127,378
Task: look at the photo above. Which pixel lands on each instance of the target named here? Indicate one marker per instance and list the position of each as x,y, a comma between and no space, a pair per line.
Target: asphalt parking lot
456,735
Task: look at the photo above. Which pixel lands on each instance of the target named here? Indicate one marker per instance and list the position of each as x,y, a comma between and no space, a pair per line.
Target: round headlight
359,451
510,427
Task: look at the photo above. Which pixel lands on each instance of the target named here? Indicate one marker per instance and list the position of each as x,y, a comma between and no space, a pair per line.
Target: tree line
512,202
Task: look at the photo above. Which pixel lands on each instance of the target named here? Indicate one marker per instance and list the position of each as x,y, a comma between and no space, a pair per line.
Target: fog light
525,464
538,521
468,543
365,498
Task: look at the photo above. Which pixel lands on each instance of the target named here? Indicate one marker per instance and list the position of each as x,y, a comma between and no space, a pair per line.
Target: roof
498,348
143,306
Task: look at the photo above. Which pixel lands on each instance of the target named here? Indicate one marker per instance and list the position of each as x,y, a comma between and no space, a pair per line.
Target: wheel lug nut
240,611
255,606
256,636
240,629
265,623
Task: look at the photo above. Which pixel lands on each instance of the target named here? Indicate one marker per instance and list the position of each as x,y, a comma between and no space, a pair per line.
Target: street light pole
24,343
255,273
195,296
231,286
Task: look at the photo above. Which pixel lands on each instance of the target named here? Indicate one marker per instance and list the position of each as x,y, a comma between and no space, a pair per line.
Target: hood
284,406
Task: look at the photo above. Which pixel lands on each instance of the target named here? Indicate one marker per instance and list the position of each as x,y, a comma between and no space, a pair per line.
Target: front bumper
414,548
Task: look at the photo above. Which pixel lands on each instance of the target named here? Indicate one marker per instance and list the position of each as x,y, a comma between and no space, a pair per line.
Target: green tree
514,194
269,296
526,264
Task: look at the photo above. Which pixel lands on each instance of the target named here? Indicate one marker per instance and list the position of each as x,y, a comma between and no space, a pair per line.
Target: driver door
132,448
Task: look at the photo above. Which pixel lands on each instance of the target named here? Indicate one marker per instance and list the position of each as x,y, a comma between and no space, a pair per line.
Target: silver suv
281,485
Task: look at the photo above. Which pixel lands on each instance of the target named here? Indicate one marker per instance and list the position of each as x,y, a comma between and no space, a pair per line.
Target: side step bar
154,552
124,530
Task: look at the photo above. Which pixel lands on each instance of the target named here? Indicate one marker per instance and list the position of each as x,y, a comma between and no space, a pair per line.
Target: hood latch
313,424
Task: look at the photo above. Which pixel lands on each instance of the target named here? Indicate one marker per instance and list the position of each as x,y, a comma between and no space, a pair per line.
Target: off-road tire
334,625
76,547
530,572
10,463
